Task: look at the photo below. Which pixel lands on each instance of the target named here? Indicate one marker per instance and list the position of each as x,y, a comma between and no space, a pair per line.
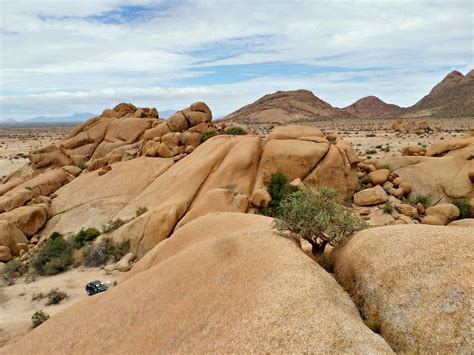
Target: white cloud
56,60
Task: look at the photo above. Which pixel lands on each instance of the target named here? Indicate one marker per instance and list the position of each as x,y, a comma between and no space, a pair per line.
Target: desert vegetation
316,216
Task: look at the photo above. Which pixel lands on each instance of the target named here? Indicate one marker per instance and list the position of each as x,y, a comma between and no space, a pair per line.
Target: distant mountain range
453,97
75,118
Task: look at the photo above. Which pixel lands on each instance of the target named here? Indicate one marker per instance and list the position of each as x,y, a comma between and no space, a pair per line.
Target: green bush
204,136
38,318
235,131
106,249
463,207
278,187
385,166
425,200
112,225
84,236
317,217
55,296
54,256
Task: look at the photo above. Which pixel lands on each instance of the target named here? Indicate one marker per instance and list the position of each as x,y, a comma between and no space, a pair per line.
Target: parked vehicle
96,286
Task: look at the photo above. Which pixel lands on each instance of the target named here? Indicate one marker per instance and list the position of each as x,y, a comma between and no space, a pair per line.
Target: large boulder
336,170
295,132
441,214
11,236
224,283
415,283
29,219
293,158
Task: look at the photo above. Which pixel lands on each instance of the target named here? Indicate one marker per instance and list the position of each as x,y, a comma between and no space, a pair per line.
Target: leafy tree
316,216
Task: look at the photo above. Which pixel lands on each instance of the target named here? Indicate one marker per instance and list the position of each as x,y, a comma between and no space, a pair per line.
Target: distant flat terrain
18,140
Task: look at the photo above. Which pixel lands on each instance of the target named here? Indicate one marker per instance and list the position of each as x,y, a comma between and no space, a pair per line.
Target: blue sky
61,57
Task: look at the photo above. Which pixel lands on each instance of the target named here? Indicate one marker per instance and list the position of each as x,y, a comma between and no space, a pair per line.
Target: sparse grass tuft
112,225
140,210
387,207
425,200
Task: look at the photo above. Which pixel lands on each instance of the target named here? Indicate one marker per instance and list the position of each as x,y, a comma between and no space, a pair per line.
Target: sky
61,57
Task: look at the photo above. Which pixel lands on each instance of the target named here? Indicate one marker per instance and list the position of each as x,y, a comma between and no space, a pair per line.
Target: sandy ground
17,306
17,141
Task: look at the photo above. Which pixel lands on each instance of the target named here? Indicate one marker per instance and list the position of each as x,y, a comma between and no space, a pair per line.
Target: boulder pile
418,186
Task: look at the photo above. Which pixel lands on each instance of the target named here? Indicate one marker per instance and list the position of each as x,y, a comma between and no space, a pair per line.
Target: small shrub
204,136
387,207
84,236
463,207
38,318
317,217
425,200
235,131
11,268
370,151
385,166
54,256
83,166
140,210
55,296
112,225
100,254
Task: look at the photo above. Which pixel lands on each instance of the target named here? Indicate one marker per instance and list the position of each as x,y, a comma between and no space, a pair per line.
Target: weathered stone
372,196
414,283
5,254
441,214
378,177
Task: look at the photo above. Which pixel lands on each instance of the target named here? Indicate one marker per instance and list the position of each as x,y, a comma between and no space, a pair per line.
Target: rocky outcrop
413,283
283,107
242,288
222,174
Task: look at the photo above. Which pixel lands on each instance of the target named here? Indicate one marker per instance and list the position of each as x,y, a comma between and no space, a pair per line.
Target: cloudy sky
60,57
